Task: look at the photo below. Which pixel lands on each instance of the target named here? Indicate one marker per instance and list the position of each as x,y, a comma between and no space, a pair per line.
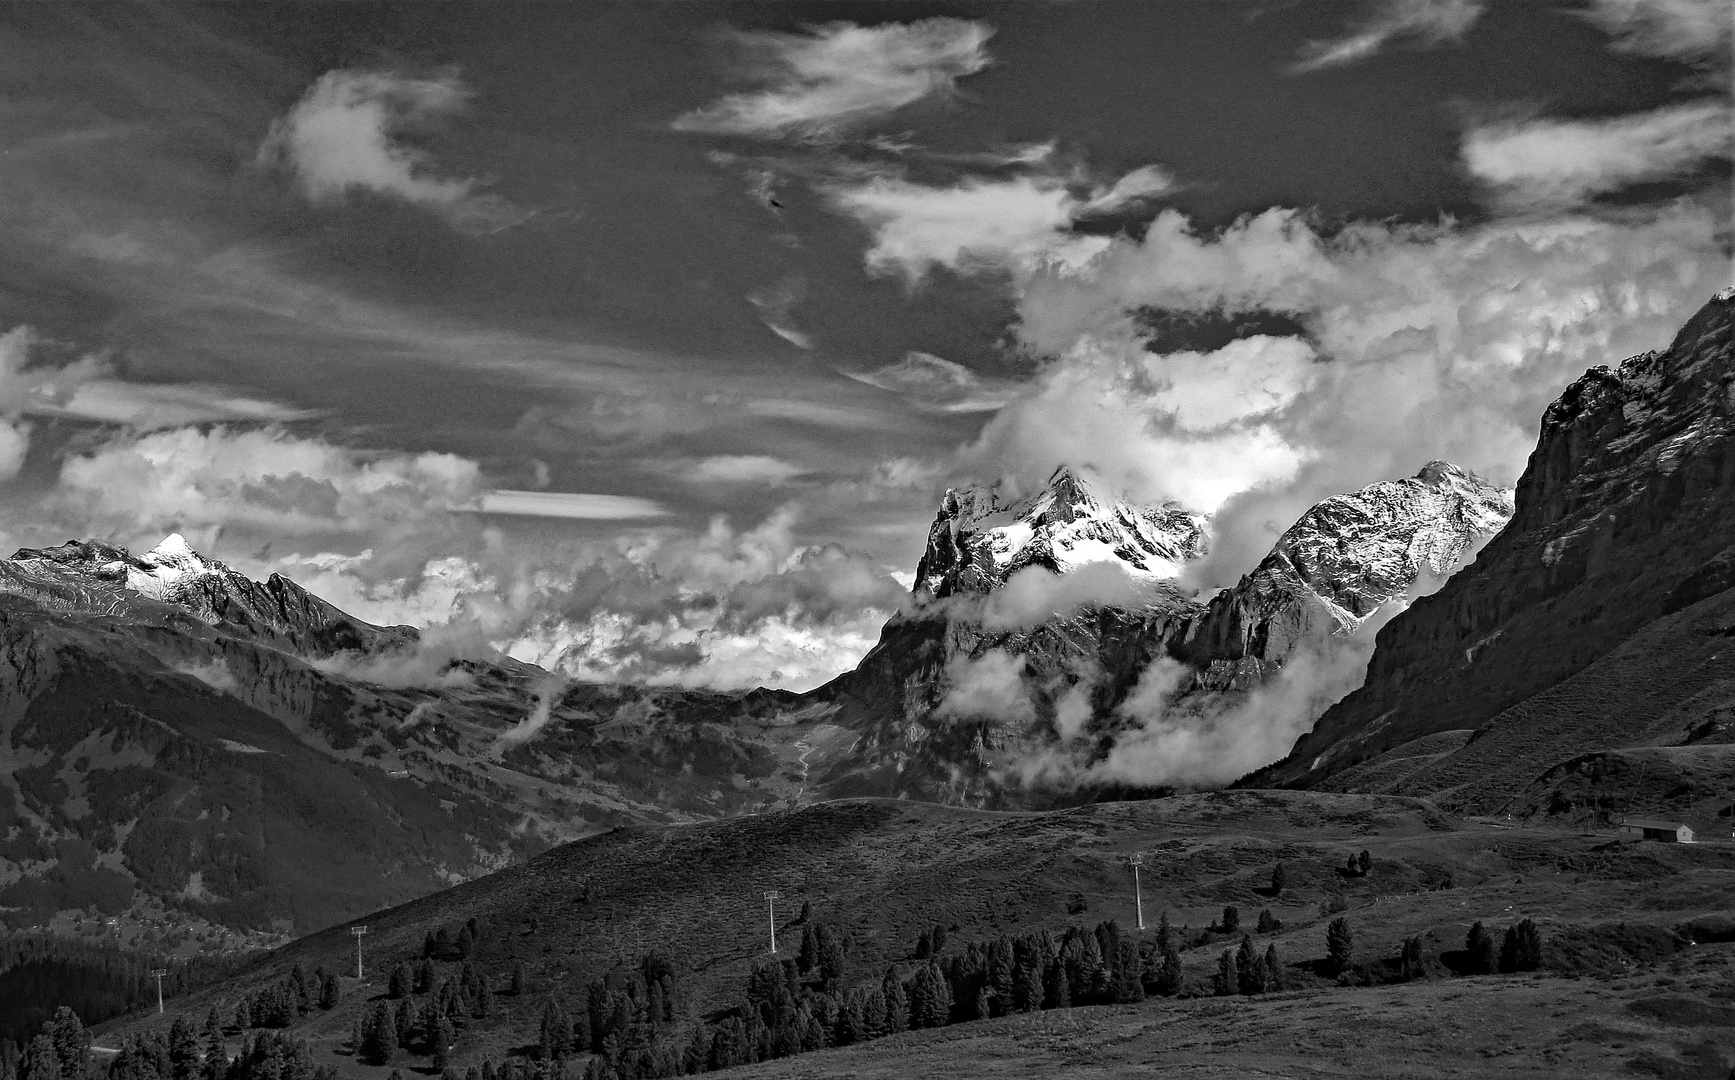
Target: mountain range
213,761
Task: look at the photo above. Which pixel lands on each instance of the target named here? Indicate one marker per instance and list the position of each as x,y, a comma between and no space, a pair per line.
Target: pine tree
1279,878
404,1022
1129,986
1249,968
519,979
402,982
1171,975
1165,933
831,959
1231,920
330,993
1479,944
1410,964
71,1043
440,1033
1273,968
1268,923
185,1057
806,911
1027,989
897,1004
1339,945
556,1032
425,976
1522,948
924,946
808,955
380,1039
1223,984
938,936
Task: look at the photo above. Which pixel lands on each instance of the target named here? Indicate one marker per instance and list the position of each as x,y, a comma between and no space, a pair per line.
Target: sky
642,340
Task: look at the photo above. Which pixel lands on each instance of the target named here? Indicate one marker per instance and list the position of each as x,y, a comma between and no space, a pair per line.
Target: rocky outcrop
1625,513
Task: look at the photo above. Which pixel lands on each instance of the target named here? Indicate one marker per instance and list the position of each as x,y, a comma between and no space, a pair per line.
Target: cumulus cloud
933,383
1018,223
283,486
1567,161
1421,22
347,134
841,73
1421,342
1695,31
990,686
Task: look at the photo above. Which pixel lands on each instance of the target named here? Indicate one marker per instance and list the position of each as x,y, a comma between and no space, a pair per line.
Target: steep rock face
1625,512
1348,558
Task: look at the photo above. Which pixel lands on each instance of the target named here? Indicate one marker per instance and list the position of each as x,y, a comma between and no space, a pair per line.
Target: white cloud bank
841,73
345,134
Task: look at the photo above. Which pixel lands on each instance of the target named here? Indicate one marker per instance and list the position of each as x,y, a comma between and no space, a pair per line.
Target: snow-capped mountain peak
981,538
165,571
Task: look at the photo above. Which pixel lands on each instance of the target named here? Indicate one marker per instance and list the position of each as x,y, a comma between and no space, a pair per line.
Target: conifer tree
1364,862
1268,923
897,1003
39,1061
555,1033
425,976
1273,968
1479,944
1279,878
519,979
1165,933
1410,965
329,992
1522,948
380,1039
1231,920
924,946
831,959
808,955
938,936
185,1057
402,982
71,1043
440,1033
1171,974
1027,989
1223,984
1339,945
1249,968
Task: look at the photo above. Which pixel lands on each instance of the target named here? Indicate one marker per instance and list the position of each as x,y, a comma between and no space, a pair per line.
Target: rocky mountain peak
982,537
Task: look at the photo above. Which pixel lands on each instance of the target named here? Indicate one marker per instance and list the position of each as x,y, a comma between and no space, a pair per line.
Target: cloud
841,73
1143,184
345,134
1695,31
282,486
574,505
1567,161
1421,342
990,686
939,385
743,469
1019,223
1421,22
776,306
1192,427
547,693
1035,595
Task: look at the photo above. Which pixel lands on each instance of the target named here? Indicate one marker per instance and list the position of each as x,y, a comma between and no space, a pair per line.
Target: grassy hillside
883,871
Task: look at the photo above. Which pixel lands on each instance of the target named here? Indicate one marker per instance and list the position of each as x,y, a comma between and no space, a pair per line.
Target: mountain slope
1594,619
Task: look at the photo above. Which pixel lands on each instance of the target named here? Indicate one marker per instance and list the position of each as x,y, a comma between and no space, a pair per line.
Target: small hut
1668,832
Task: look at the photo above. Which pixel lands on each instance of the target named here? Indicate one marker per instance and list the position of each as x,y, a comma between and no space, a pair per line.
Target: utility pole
358,931
159,976
1138,860
771,908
